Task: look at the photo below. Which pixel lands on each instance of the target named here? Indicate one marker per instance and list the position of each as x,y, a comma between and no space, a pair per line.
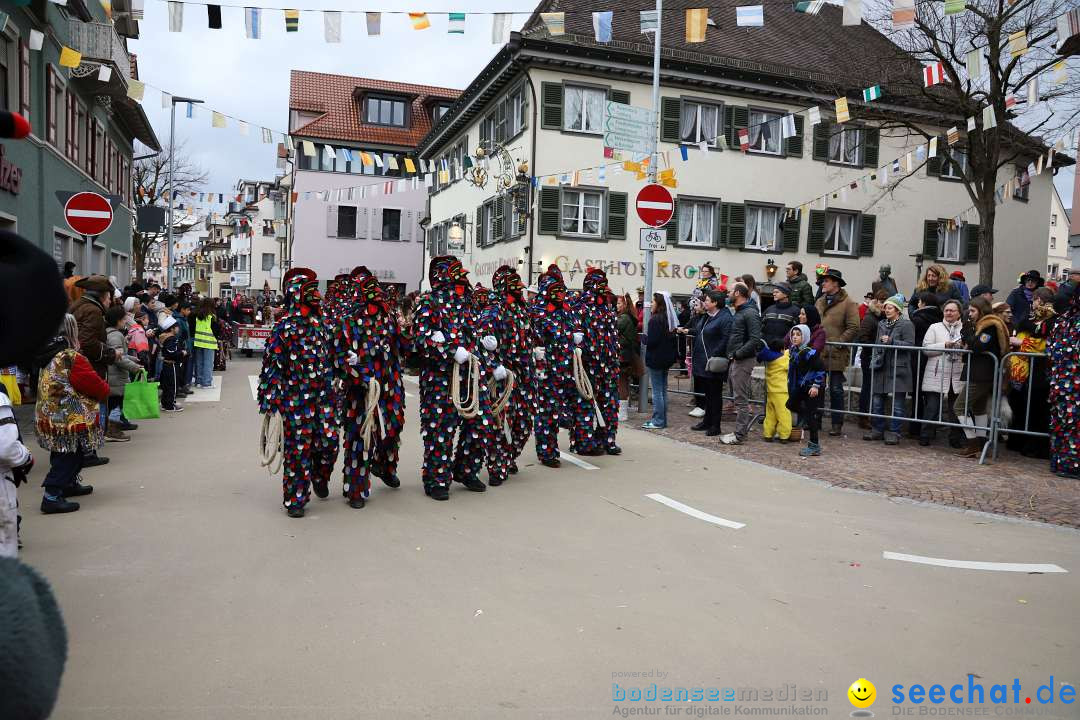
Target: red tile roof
333,96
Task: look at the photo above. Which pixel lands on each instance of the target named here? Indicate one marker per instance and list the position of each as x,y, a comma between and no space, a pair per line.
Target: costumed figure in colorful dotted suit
556,333
509,317
296,382
367,351
1063,347
596,313
337,292
500,387
450,350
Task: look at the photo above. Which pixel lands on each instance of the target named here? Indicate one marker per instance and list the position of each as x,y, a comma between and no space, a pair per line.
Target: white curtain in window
686,222
573,100
570,212
591,225
708,123
756,120
753,218
703,223
831,241
852,141
688,122
835,146
768,222
846,225
594,117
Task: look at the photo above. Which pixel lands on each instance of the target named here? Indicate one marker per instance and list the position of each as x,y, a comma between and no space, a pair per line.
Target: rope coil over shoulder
585,388
499,405
372,413
467,407
271,443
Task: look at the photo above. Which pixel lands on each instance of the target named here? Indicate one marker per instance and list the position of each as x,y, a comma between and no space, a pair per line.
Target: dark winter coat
801,292
841,322
745,340
710,339
90,315
659,343
778,321
896,372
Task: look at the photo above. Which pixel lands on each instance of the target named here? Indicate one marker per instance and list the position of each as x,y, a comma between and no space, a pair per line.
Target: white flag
104,73
500,28
787,126
1033,92
243,127
814,114
37,39
176,16
852,12
933,147
166,100
332,26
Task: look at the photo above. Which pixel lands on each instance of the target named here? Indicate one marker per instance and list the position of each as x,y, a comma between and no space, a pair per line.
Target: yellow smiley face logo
862,693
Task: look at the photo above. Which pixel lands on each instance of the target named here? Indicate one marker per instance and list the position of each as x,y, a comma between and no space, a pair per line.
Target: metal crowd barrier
999,395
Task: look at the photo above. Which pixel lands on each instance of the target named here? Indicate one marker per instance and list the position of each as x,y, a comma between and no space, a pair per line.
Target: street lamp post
170,279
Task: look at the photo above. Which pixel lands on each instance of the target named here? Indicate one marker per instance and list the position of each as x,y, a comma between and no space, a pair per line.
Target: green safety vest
204,335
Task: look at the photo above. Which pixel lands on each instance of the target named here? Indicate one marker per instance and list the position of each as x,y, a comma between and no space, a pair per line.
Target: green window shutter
793,146
867,226
672,228
930,239
549,211
971,243
736,225
670,110
551,106
616,215
497,224
815,232
933,165
508,217
478,234
821,141
735,119
791,231
619,96
871,143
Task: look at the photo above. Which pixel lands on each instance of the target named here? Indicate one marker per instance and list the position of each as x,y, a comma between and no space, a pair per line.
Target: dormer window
386,110
439,110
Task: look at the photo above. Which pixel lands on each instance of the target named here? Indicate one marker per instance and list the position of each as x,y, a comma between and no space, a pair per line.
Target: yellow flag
217,119
842,114
631,166
136,89
641,176
696,22
667,174
366,159
1018,44
409,166
419,21
669,182
70,58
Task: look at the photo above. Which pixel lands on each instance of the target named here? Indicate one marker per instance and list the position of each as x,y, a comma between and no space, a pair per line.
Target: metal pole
643,389
169,230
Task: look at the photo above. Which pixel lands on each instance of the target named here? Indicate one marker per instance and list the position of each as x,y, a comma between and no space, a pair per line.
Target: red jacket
86,381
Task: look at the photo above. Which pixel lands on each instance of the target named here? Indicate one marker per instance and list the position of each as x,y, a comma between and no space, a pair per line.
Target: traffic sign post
652,239
629,128
654,147
655,205
88,214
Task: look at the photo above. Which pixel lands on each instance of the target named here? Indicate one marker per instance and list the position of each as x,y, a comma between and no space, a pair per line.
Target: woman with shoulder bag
711,331
630,364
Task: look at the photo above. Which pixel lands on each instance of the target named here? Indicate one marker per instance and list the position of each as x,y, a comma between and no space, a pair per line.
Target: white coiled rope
498,408
467,407
372,413
585,388
271,443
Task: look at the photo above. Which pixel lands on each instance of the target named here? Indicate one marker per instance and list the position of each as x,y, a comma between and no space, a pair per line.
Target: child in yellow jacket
777,416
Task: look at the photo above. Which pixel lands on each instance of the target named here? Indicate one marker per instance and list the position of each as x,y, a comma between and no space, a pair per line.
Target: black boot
614,450
77,489
391,481
513,469
437,492
713,432
57,506
701,426
322,489
356,503
494,481
296,511
552,463
474,484
93,460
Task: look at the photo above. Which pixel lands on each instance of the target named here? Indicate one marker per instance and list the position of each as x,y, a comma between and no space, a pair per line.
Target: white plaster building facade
1058,262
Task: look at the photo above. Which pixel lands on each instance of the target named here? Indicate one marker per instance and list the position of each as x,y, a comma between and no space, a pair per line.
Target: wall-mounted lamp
770,268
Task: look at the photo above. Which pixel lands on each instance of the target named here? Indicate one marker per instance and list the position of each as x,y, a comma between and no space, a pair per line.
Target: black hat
980,289
835,275
32,298
1032,275
97,283
783,287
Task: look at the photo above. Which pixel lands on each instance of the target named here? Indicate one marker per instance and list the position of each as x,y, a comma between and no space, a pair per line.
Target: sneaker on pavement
731,439
697,412
115,434
811,450
57,505
173,409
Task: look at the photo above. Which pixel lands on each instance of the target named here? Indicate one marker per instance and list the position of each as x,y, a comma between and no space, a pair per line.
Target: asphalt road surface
188,593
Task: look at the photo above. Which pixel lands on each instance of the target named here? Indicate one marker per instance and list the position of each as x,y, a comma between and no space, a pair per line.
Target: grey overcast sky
249,79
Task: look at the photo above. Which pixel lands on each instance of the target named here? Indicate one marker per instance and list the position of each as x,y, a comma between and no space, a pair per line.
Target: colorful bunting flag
814,115
555,22
213,17
953,135
37,39
971,124
253,23
1010,101
695,25
309,148
1018,44
1033,92
853,12
217,120
871,93
744,139
602,26
647,18
190,110
455,24
136,89
104,74
70,58
410,167
842,114
419,20
787,126
374,23
989,118
933,74
750,16
810,7
500,28
1061,72
292,20
903,14
332,26
176,16
974,63
242,127
267,135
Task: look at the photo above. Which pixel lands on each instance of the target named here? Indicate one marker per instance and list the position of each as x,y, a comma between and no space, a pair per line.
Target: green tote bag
141,398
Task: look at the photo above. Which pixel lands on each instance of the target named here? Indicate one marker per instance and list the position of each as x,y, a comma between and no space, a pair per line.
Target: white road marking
211,394
253,381
563,455
976,564
694,512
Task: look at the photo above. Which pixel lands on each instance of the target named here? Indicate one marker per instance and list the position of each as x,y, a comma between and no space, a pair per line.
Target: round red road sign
88,213
655,205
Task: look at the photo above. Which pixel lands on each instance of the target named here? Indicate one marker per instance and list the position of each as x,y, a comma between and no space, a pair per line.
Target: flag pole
653,160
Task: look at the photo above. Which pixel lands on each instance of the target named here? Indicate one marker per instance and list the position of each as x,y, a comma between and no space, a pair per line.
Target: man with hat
840,319
984,291
781,316
1021,297
89,312
960,283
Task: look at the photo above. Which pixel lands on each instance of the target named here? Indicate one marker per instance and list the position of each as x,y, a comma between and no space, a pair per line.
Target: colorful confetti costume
554,324
296,383
1063,347
444,321
509,317
596,313
367,349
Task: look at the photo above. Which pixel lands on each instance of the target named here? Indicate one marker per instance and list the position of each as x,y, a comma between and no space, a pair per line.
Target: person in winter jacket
709,334
892,370
801,293
600,353
868,334
70,394
15,462
926,314
808,316
172,355
781,316
89,313
960,283
943,374
934,280
777,416
660,355
806,386
840,318
987,338
629,352
742,349
1021,298
119,375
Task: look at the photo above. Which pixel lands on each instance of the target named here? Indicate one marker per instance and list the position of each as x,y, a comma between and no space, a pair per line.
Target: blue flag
602,26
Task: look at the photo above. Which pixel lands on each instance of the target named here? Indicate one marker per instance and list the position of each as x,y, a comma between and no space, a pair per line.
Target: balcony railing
99,42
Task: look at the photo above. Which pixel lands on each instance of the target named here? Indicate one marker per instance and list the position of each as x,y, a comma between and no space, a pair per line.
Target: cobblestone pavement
1012,485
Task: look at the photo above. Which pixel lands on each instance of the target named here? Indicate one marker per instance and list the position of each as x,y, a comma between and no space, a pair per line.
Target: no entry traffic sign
88,213
655,205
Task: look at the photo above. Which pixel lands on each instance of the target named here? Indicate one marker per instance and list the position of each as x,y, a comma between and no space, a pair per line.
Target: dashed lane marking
253,381
976,564
563,455
694,512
